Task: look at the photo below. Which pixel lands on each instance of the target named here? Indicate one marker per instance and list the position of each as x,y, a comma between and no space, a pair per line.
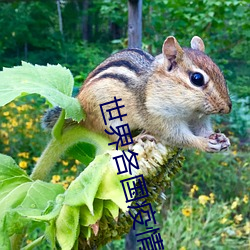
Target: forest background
207,206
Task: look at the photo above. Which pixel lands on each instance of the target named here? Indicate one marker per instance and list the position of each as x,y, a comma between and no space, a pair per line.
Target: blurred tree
30,30
134,23
58,2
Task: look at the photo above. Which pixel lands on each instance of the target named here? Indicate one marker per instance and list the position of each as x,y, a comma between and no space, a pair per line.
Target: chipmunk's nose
227,108
230,106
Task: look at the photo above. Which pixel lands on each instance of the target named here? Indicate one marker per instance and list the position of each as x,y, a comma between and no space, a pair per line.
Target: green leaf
39,194
112,207
20,198
86,232
58,127
34,243
47,215
53,82
14,223
14,198
67,226
50,234
83,152
111,188
6,186
27,201
8,221
9,168
83,189
86,218
4,240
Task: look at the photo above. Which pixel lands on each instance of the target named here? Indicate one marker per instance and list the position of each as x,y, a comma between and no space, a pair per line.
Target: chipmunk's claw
218,142
141,138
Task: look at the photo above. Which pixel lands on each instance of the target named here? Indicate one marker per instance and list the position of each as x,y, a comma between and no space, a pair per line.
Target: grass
207,206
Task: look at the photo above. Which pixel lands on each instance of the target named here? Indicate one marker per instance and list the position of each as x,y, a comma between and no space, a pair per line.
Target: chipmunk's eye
197,79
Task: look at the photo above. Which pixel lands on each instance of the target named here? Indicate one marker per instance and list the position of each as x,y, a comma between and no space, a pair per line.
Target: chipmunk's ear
171,49
197,43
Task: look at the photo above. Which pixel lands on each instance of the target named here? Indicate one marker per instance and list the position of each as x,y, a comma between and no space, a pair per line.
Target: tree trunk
85,20
135,23
131,240
59,16
134,41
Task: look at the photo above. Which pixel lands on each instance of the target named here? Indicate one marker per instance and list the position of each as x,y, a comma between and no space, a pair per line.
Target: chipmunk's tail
50,117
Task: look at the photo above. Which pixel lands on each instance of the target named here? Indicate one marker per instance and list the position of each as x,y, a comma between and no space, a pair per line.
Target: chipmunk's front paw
141,138
218,142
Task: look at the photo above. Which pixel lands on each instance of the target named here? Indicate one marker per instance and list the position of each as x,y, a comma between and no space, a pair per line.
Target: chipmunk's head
198,77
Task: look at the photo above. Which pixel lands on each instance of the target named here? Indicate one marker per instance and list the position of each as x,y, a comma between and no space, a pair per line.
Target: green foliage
223,25
25,200
19,198
93,202
30,32
52,82
204,223
232,166
81,58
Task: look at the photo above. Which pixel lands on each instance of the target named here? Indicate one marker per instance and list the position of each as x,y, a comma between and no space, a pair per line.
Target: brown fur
158,95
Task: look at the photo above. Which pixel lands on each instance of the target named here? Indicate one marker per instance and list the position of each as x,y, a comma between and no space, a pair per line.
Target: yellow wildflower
73,168
6,141
197,242
24,154
14,123
238,233
65,185
238,218
235,203
224,164
247,227
203,199
234,152
23,107
6,149
193,190
23,164
12,105
29,124
187,211
4,134
70,178
211,195
238,159
55,178
183,248
65,163
35,159
6,113
223,220
245,199
77,162
223,235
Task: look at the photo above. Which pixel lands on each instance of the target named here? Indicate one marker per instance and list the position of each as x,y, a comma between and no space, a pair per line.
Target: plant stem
57,147
16,240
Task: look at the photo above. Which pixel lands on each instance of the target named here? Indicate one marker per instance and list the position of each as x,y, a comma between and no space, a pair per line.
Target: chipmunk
170,96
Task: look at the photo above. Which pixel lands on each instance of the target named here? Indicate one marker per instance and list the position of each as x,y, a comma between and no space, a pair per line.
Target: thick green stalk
57,147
